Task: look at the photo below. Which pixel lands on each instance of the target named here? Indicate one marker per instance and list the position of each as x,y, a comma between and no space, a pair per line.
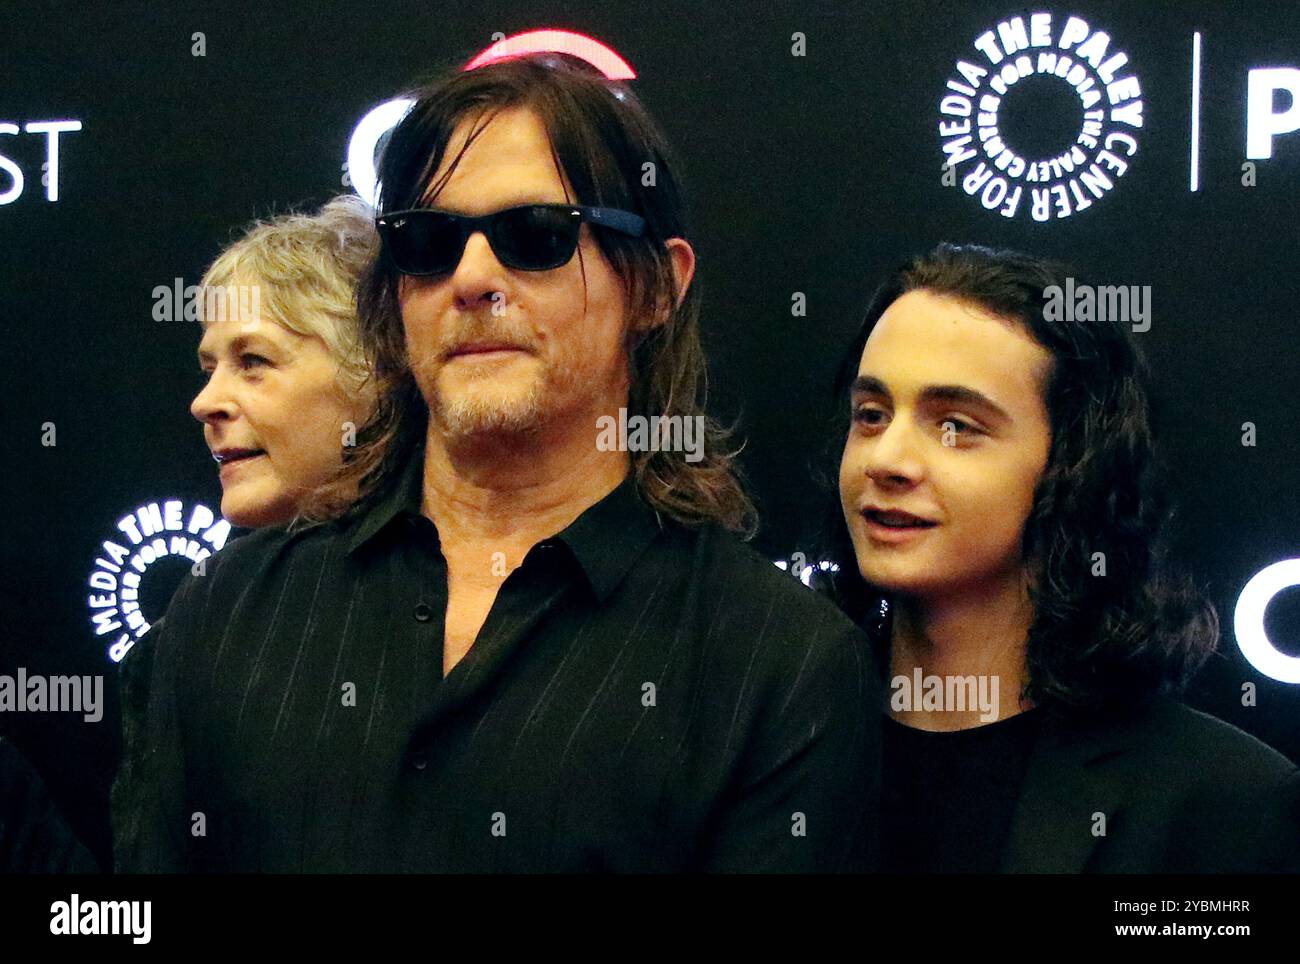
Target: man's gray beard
464,417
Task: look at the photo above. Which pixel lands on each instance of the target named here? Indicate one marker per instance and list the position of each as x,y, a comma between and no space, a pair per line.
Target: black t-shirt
948,797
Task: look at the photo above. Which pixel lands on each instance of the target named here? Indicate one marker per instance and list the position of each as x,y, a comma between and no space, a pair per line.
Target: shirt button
423,612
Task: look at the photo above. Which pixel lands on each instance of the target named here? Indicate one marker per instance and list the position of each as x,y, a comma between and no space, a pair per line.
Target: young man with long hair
1001,532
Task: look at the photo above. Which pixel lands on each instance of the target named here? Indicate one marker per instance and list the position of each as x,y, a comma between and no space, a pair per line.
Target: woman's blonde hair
306,268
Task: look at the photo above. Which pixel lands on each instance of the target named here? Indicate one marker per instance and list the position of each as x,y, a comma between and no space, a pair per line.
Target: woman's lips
239,460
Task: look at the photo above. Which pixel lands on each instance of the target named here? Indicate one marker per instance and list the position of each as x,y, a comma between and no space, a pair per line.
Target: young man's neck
980,632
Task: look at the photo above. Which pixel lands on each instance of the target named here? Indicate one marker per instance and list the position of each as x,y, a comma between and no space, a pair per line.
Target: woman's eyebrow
238,344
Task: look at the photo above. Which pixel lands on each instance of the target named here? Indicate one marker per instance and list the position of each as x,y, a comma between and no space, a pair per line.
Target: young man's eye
959,425
869,416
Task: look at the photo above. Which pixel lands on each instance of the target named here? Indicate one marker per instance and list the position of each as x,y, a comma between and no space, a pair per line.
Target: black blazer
1181,792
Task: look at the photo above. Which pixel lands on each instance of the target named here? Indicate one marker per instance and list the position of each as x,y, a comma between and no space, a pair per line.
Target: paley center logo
154,531
980,146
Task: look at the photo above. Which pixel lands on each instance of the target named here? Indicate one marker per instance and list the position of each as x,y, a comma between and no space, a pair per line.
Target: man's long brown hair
614,155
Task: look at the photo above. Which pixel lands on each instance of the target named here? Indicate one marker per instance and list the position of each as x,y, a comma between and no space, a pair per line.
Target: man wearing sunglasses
520,651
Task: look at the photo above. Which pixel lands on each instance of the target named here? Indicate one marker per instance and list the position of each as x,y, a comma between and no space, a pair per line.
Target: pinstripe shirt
642,697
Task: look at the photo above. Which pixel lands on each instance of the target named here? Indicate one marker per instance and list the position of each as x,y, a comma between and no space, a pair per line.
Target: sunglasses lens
535,238
423,242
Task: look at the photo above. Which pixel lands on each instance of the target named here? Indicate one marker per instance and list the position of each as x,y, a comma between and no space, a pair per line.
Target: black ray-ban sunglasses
532,237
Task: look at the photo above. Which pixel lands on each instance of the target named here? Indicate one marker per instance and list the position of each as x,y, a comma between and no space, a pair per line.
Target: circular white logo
154,531
979,139
1249,621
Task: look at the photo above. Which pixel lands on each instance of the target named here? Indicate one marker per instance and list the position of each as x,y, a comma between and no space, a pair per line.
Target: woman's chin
253,515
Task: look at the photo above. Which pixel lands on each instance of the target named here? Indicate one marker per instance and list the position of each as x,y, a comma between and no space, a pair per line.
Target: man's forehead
922,339
952,327
508,162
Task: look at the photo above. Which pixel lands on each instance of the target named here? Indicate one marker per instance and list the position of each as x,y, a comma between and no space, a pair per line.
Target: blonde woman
287,384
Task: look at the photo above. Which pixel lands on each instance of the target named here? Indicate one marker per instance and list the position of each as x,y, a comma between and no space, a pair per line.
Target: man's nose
895,455
479,275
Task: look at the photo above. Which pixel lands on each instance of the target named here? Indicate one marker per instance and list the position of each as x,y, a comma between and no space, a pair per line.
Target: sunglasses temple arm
623,221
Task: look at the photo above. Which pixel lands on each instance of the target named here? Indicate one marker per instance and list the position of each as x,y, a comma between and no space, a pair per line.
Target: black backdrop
808,174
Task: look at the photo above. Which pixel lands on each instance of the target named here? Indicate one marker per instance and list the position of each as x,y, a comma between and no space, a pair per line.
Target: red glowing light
577,45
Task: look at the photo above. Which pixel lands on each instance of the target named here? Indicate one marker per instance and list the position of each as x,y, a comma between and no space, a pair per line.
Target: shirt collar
403,497
611,535
605,540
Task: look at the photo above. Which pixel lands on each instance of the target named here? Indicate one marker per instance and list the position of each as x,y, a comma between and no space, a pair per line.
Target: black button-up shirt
642,697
